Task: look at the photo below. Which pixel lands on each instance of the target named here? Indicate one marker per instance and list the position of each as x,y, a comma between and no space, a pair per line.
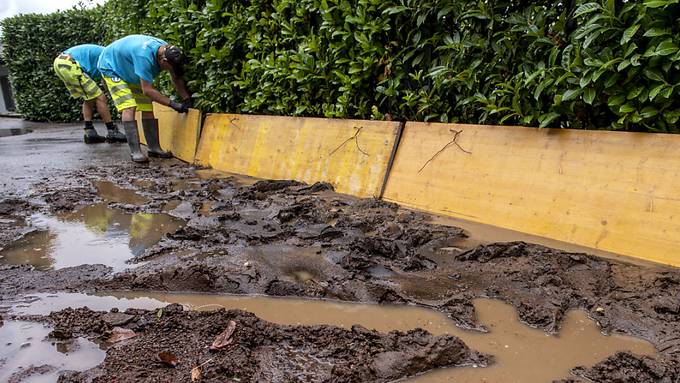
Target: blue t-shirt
132,58
87,55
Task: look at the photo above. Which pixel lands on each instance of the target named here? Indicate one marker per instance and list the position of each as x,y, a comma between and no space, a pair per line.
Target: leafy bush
31,43
603,64
608,64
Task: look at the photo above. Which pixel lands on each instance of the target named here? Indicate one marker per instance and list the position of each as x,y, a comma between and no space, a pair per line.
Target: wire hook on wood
453,141
355,138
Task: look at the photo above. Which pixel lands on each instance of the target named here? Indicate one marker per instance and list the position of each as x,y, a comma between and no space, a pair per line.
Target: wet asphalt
48,148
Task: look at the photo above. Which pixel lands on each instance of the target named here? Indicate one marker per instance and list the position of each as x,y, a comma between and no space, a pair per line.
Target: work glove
188,103
179,108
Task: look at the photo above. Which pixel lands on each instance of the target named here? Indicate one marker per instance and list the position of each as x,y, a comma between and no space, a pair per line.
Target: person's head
172,59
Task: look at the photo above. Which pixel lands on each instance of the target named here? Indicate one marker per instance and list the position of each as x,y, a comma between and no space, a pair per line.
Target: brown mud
259,350
283,238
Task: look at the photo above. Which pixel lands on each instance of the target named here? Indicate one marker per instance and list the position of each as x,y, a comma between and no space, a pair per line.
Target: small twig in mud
456,133
231,121
196,370
355,137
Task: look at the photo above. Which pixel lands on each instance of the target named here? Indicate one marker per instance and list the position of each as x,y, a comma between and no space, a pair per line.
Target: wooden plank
613,191
352,155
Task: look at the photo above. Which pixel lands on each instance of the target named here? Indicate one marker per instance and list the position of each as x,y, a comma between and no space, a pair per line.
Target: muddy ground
284,238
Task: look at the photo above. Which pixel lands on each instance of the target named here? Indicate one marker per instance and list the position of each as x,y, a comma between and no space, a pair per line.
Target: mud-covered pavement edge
352,250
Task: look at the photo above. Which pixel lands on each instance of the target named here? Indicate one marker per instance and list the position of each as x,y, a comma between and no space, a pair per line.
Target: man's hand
180,108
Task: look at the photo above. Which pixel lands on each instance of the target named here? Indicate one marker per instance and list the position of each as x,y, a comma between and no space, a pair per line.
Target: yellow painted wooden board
351,155
613,191
178,132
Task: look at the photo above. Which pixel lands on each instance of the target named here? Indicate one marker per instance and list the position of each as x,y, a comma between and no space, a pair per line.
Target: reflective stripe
64,66
121,99
91,85
118,88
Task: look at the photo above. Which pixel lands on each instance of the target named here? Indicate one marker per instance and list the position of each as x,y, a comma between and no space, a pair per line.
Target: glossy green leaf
629,33
545,119
589,96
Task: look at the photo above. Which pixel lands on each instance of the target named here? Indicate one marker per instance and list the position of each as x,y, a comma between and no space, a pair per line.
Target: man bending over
129,66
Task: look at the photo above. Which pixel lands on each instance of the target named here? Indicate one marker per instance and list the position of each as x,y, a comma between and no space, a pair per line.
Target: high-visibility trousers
126,95
78,83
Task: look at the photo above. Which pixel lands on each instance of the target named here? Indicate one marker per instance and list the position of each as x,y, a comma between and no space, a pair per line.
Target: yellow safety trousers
78,83
126,95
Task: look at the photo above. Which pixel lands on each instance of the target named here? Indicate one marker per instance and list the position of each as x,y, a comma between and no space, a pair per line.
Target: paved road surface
26,158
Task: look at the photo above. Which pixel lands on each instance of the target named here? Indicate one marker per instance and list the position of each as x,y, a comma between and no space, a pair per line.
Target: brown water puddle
27,355
522,354
94,234
111,192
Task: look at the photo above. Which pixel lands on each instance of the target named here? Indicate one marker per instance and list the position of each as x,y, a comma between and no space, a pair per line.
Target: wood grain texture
351,155
613,191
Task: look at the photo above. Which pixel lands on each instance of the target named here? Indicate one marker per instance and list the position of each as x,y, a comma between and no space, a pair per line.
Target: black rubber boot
133,141
150,127
114,135
91,136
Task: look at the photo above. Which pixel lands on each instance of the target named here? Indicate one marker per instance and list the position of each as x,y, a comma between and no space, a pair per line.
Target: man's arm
153,94
180,86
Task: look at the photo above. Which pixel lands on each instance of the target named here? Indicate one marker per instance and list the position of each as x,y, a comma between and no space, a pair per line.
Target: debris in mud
167,358
119,334
266,351
224,338
196,373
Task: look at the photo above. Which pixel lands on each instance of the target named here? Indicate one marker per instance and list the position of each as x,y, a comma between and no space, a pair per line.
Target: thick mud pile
284,238
166,345
627,368
13,212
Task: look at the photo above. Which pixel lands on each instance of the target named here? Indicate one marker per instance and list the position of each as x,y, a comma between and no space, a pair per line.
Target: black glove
179,108
188,103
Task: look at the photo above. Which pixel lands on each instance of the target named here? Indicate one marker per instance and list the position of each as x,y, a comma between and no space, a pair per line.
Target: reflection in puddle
24,345
522,354
94,234
111,192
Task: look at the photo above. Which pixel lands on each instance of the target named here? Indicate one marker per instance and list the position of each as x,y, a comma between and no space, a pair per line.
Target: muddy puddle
27,354
94,234
111,192
522,354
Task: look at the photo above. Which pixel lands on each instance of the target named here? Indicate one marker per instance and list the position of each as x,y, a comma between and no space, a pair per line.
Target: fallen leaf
224,339
159,314
168,358
119,334
195,373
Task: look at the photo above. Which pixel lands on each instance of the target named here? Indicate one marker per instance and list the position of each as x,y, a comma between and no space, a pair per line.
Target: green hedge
31,42
608,64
